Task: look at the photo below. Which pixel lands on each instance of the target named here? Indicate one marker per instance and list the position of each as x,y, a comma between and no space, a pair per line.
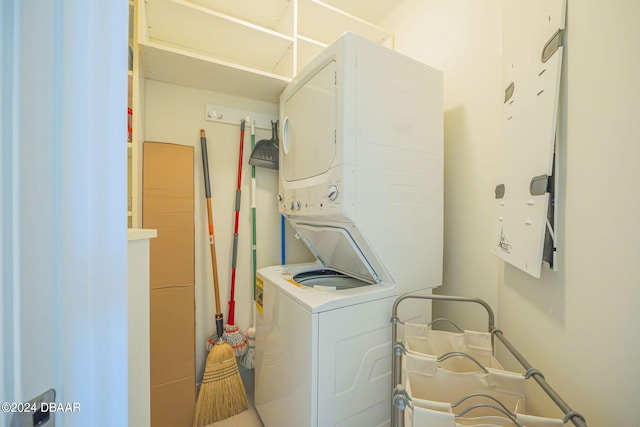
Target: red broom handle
232,302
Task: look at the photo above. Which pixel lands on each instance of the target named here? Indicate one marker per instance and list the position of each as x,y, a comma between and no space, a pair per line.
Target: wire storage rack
402,398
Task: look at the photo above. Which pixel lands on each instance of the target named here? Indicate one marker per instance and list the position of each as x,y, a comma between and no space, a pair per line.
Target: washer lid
336,249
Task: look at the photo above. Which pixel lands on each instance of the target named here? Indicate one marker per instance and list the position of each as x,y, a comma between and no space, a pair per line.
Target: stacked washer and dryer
361,182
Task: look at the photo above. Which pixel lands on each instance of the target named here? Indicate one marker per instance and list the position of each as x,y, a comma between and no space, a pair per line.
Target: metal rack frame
400,399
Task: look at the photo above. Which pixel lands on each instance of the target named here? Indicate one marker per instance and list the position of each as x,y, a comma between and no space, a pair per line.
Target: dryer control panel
325,196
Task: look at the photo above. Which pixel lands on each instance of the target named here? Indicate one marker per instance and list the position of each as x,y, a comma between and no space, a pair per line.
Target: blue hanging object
282,255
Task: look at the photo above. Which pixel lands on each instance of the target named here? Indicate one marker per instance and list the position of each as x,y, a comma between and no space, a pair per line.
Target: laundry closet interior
408,146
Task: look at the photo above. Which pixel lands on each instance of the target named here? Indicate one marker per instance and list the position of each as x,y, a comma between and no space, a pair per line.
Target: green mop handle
254,247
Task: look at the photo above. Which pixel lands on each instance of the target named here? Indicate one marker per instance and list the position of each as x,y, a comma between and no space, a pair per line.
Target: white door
63,310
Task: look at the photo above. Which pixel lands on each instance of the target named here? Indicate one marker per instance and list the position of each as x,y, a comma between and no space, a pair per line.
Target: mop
222,392
232,333
249,358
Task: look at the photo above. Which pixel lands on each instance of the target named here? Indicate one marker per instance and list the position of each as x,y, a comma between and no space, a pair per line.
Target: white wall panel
577,325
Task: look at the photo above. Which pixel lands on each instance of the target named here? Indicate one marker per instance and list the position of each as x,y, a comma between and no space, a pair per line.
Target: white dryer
361,182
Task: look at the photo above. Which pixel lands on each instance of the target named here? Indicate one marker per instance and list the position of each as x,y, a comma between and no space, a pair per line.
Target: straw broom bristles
222,392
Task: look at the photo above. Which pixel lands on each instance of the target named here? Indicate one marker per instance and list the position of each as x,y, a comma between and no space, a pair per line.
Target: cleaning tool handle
242,124
212,242
254,246
232,311
214,264
205,164
232,303
283,252
219,325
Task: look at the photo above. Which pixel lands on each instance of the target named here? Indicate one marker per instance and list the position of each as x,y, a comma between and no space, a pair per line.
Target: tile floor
248,418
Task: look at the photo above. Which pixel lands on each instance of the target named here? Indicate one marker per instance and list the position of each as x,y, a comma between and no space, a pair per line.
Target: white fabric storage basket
425,417
426,380
421,339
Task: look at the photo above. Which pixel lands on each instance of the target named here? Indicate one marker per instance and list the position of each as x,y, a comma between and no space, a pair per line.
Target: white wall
580,325
462,39
175,114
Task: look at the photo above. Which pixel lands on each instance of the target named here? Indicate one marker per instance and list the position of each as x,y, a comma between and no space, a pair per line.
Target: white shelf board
215,34
371,11
313,16
171,65
269,14
246,47
307,50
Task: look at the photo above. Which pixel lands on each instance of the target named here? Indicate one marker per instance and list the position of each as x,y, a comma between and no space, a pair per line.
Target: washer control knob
333,192
280,197
298,205
291,205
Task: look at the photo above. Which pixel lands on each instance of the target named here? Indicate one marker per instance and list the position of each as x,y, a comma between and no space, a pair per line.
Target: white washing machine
324,353
361,182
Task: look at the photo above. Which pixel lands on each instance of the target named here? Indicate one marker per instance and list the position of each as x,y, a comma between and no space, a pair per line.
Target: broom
249,358
232,333
222,392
